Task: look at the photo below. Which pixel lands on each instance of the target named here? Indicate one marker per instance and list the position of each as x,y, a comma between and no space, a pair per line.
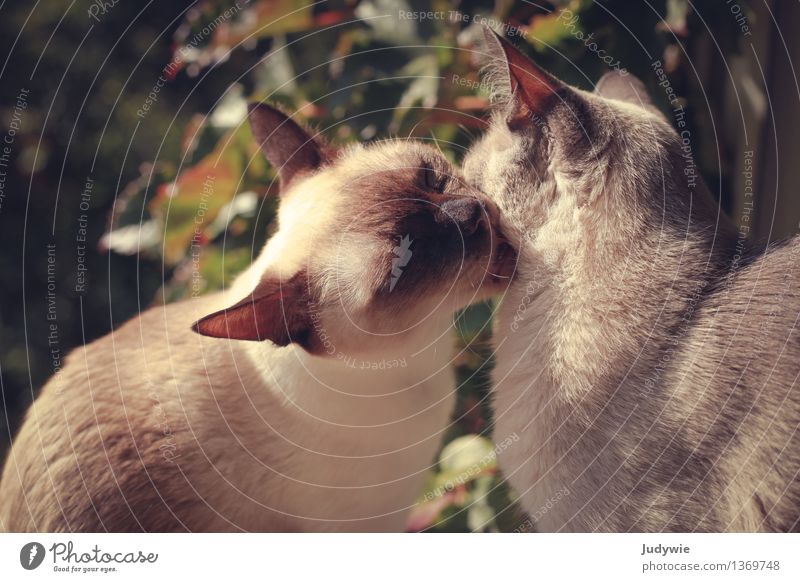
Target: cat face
373,241
570,169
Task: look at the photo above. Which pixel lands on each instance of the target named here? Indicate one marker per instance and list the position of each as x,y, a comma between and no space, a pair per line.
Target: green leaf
190,203
467,457
550,30
424,89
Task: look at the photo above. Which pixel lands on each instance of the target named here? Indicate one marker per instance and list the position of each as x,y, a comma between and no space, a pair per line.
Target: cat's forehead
365,189
396,157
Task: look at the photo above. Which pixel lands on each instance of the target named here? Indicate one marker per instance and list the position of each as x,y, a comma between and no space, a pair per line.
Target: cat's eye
431,181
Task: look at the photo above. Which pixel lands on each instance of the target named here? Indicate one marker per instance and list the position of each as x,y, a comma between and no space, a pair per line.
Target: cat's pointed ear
528,85
276,310
290,149
622,86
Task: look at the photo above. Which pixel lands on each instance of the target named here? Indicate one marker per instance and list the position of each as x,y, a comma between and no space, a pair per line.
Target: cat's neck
609,308
359,388
365,426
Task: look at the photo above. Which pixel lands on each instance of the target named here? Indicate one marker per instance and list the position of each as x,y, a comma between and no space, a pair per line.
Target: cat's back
754,311
104,445
764,282
739,388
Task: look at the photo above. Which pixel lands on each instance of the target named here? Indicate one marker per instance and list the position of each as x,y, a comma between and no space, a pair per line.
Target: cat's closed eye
431,180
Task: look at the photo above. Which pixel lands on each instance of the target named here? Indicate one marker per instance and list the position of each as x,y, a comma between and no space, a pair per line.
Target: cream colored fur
156,428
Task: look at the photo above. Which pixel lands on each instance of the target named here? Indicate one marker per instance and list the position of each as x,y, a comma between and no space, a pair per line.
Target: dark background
86,80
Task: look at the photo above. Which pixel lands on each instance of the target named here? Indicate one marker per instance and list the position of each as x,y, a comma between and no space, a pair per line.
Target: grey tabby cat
646,359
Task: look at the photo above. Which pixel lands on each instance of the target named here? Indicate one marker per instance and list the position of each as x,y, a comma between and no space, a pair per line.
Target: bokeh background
115,113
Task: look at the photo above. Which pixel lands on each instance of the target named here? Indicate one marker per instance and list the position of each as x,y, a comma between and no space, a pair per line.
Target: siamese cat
315,392
647,360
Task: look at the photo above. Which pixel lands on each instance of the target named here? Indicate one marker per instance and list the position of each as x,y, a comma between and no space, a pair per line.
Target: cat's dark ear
622,86
290,149
277,310
527,85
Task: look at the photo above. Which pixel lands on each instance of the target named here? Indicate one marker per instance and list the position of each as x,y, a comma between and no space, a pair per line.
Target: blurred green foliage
150,103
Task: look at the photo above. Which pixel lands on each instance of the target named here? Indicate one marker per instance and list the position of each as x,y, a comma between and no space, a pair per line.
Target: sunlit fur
156,428
646,370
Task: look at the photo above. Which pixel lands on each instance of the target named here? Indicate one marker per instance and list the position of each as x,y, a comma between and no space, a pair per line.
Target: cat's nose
467,213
